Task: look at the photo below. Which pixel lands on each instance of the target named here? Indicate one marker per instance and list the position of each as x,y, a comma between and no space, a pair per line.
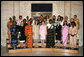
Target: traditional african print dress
14,33
9,35
28,33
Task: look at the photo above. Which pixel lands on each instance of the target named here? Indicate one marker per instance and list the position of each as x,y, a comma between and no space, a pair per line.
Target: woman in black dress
22,36
58,33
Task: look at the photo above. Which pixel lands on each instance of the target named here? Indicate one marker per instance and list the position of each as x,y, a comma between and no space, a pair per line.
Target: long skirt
9,35
29,42
14,43
64,39
72,41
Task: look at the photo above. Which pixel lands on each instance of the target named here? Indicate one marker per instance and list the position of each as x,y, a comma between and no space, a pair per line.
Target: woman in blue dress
14,32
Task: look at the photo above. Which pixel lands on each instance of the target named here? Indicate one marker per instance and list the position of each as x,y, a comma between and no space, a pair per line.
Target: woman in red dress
8,26
28,34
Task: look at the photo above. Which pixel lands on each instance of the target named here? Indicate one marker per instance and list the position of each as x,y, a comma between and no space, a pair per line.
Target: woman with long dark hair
36,32
73,35
58,32
28,34
65,30
43,32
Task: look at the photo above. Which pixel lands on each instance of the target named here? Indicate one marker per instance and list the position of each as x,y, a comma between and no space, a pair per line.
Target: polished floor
4,52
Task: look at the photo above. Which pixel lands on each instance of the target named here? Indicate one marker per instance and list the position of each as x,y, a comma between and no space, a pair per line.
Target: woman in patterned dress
73,35
8,25
65,30
14,32
28,34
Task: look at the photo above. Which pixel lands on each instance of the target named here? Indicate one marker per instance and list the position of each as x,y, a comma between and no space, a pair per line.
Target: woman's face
41,17
45,20
66,18
71,20
24,21
20,18
43,23
36,22
50,22
64,23
28,22
61,19
14,23
75,17
72,24
54,17
58,17
10,19
47,17
14,18
58,22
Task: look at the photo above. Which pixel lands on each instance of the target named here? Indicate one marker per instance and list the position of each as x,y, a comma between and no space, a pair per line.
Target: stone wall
63,8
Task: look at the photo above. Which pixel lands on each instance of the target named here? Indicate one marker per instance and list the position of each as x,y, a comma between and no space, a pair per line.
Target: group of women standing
51,31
